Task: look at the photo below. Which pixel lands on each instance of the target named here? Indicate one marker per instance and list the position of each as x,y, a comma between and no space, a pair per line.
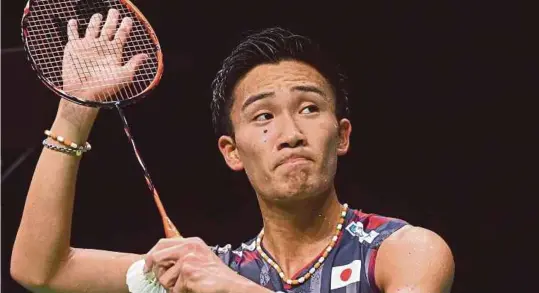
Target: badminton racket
105,47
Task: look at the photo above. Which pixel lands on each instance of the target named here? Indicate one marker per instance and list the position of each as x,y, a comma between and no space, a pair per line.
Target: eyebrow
302,88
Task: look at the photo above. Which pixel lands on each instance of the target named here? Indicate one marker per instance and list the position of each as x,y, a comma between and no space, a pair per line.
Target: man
280,110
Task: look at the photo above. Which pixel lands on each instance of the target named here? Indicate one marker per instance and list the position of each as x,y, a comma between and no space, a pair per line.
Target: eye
309,109
263,117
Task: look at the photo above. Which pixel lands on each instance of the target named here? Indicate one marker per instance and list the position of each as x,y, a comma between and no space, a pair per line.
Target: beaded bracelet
67,142
65,150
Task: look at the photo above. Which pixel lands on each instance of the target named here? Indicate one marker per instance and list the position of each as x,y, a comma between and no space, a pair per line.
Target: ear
345,129
228,149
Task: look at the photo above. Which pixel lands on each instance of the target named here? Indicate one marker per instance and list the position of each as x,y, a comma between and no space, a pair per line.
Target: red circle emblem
346,274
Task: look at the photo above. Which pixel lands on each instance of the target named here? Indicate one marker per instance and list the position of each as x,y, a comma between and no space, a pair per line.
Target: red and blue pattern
348,268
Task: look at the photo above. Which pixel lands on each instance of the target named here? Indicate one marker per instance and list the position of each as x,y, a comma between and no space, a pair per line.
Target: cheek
327,136
264,136
252,147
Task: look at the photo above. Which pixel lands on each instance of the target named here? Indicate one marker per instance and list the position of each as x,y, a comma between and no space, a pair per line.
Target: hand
92,70
92,66
188,265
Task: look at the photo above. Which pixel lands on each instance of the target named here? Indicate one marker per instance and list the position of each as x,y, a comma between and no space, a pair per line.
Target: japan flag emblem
344,275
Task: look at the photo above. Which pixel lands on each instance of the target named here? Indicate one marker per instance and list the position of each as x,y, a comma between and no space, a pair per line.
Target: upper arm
414,259
92,271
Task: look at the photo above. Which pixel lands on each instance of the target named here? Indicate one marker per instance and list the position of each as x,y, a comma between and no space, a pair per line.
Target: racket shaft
170,229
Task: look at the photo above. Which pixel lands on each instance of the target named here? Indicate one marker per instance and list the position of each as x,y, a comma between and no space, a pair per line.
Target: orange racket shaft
170,230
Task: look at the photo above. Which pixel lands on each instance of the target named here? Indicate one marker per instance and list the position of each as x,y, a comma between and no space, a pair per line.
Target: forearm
43,238
245,285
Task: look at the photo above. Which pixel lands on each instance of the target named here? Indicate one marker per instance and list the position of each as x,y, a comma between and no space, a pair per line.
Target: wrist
75,131
74,121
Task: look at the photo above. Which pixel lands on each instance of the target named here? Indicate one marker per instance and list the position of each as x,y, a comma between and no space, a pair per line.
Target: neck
295,234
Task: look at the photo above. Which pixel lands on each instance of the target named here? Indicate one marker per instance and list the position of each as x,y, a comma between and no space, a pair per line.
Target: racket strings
45,31
46,36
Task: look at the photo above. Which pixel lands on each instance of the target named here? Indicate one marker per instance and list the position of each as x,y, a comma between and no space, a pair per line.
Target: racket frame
105,105
170,229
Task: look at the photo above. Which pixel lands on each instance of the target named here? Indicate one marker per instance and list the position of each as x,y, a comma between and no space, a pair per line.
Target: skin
298,200
414,260
293,113
283,110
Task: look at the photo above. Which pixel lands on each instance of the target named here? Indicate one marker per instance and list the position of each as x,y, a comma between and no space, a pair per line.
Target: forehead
278,76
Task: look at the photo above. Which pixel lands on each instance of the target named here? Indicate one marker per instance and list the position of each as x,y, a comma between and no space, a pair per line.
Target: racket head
44,36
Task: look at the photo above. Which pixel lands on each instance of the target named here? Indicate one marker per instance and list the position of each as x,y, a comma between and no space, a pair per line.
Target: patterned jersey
348,268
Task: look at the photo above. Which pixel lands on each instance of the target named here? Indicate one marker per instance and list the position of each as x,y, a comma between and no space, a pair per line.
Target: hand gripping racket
118,60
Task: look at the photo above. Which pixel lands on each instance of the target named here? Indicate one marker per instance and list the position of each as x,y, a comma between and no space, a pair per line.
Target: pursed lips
292,159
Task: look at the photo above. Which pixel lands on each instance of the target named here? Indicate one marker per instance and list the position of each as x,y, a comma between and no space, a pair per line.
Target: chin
296,190
296,184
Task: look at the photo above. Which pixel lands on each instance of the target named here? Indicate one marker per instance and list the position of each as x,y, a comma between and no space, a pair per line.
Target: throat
296,256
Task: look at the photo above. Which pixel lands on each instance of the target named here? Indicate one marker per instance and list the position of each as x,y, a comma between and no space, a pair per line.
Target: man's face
287,137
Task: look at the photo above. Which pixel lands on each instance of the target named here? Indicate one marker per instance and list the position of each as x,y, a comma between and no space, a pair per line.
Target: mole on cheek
264,137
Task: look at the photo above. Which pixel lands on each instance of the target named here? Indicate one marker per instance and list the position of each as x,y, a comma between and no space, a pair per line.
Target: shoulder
373,229
414,257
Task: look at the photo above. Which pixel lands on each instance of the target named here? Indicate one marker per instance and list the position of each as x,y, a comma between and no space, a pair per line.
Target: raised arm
42,258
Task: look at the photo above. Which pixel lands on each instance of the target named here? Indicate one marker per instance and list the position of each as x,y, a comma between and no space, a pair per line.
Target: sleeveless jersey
348,268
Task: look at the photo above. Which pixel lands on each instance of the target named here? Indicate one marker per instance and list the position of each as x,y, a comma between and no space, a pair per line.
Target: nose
291,135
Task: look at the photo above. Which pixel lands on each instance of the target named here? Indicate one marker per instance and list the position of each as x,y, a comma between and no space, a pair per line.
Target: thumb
132,65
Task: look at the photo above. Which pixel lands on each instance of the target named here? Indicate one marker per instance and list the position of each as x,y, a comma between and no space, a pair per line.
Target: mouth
293,161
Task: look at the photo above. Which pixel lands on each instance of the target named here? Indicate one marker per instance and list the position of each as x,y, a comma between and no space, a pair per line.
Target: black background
439,129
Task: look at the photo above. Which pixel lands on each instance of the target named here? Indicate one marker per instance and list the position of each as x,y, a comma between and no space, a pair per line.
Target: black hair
271,45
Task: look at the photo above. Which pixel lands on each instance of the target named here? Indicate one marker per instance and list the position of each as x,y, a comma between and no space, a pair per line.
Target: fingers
92,31
181,271
161,244
109,28
163,257
132,65
161,269
123,31
187,273
165,243
173,251
72,30
169,277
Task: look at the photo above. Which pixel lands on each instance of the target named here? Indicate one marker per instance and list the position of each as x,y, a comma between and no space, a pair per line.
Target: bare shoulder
414,259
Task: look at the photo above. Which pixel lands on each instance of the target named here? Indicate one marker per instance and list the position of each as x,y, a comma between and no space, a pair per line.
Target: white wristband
138,282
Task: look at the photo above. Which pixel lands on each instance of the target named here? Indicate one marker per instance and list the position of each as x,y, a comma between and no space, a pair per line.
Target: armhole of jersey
372,255
371,270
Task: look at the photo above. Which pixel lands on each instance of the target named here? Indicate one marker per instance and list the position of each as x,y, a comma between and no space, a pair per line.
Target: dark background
436,112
